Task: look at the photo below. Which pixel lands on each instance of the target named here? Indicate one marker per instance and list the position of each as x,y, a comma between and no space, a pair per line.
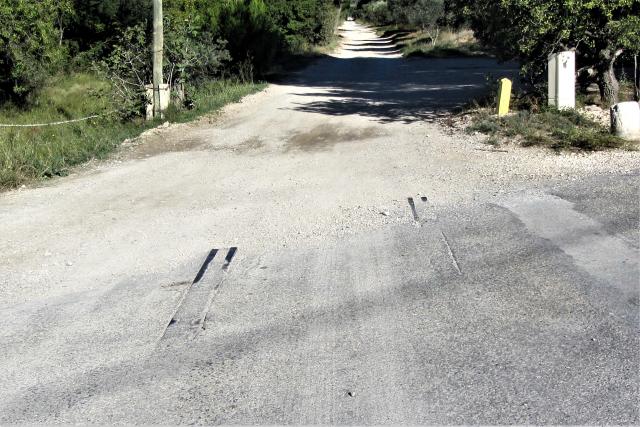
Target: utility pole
158,47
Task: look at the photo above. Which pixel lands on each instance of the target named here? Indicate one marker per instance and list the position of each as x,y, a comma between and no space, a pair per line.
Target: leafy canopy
30,43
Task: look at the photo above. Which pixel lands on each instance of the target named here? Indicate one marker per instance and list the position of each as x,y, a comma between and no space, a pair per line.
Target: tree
424,14
191,54
128,69
619,34
97,23
529,30
377,12
37,36
30,43
309,21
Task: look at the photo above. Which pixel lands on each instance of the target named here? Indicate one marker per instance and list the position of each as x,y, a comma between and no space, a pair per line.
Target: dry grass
558,130
448,44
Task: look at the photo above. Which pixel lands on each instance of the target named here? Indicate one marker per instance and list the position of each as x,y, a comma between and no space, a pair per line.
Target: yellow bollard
504,97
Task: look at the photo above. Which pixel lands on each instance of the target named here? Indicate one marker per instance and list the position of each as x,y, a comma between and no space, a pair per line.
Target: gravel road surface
326,252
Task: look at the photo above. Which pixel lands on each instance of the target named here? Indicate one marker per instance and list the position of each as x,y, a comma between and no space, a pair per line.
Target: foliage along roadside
99,49
39,39
550,128
29,154
604,34
601,32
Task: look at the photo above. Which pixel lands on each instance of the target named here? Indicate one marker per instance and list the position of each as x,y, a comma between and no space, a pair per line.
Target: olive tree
377,12
425,14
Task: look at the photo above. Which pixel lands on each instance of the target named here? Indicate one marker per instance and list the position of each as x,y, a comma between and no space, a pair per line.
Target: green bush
31,45
94,24
192,55
261,30
377,12
37,37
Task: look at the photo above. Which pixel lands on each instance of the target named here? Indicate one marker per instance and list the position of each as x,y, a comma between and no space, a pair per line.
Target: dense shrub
250,33
37,37
377,12
94,24
303,21
260,29
191,54
31,43
421,14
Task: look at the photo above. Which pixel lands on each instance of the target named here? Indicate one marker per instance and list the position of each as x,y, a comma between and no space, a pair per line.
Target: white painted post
163,93
625,120
553,79
562,80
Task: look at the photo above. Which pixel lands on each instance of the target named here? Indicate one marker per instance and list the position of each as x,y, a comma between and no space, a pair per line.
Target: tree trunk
607,81
61,30
434,39
609,87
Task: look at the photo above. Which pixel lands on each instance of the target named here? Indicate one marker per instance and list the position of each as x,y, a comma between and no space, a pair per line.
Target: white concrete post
163,93
562,80
625,120
552,70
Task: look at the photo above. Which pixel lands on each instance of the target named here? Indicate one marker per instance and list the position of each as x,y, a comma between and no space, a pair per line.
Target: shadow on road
395,89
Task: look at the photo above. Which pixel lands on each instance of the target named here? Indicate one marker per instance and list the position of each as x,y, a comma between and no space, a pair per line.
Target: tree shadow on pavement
395,89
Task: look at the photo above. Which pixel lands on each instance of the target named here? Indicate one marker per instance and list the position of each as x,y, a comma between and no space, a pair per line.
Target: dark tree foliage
303,20
95,22
31,44
36,37
419,14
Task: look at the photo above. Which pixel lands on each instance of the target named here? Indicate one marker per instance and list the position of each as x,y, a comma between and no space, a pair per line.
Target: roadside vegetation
533,123
62,60
450,44
33,153
420,28
558,130
603,34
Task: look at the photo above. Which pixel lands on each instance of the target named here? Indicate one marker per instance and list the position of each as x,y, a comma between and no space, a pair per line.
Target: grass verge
448,44
558,130
212,96
33,153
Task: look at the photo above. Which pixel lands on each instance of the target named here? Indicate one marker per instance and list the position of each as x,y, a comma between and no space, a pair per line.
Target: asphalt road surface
327,253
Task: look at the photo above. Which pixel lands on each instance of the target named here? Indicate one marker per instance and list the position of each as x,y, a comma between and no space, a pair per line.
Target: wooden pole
158,47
